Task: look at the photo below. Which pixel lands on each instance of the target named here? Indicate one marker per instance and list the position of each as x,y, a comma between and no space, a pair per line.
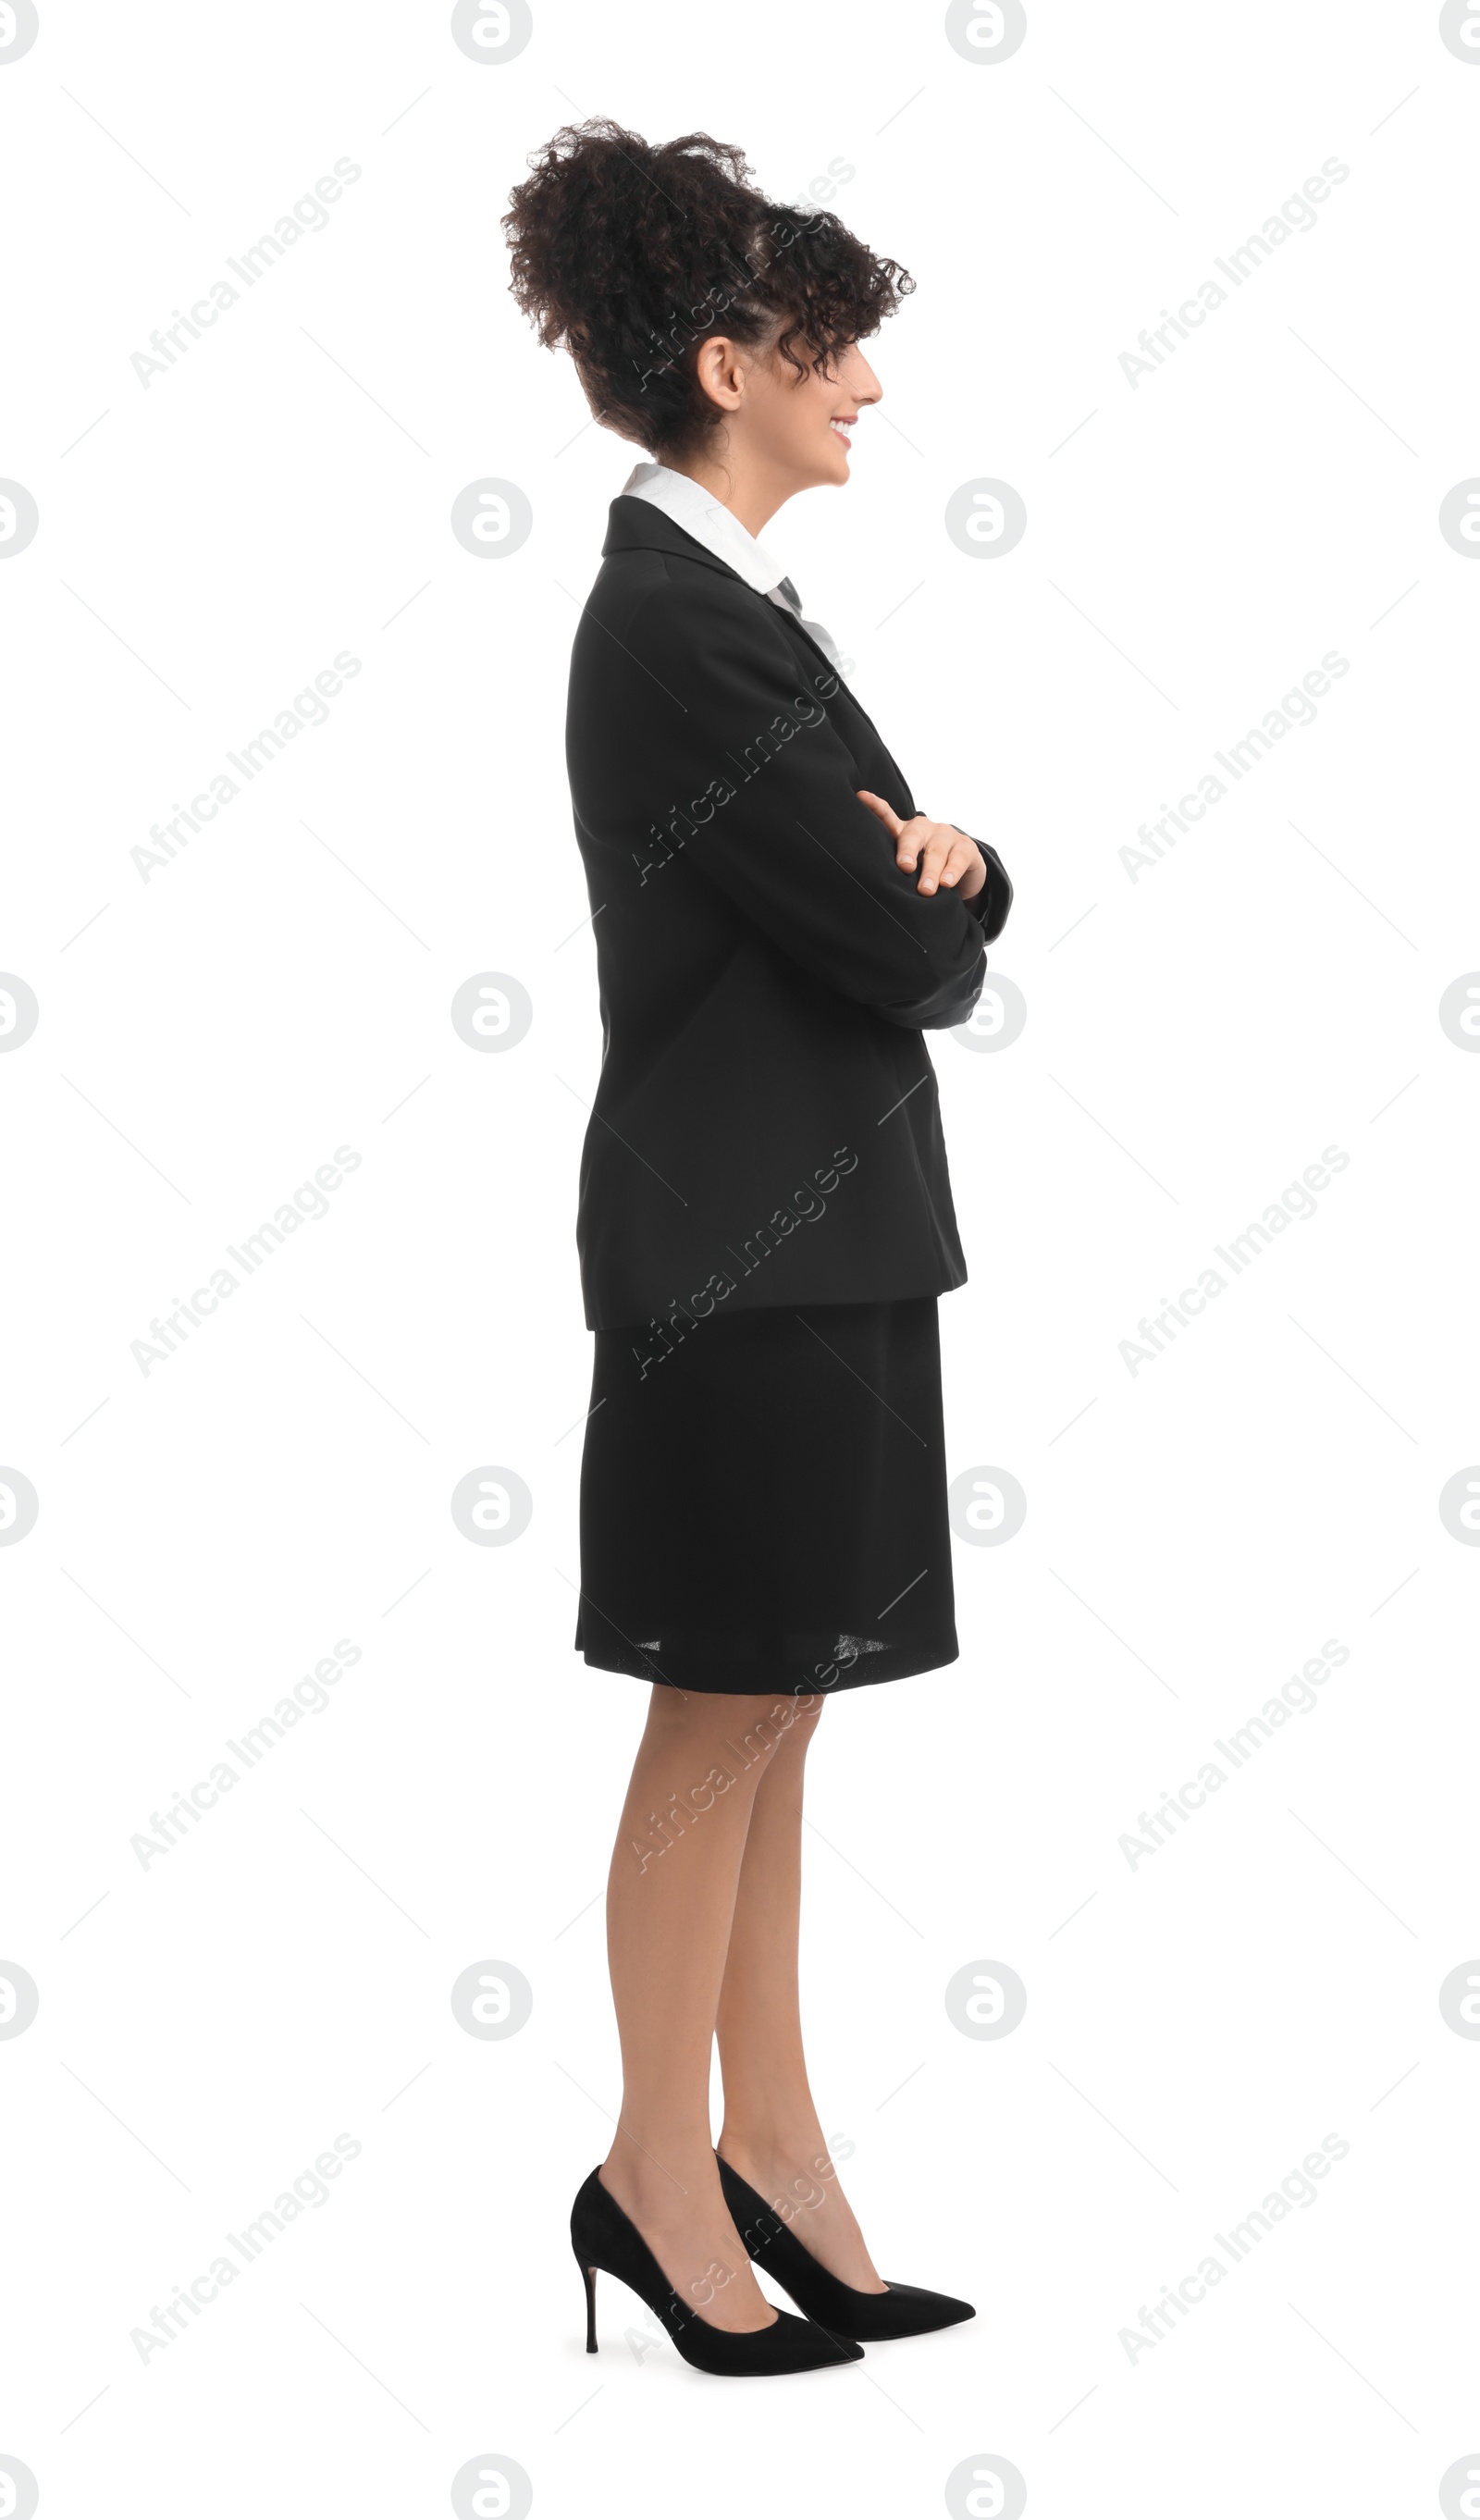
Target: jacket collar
636,524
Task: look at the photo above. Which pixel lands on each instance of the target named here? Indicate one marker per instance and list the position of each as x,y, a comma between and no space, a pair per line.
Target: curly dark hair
631,255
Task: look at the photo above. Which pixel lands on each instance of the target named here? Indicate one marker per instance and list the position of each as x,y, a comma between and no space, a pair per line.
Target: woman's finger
961,857
886,813
909,839
934,857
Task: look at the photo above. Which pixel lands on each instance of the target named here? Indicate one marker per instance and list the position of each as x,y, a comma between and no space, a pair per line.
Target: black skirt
763,1508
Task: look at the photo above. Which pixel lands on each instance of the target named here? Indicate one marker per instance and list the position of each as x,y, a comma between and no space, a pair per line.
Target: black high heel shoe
602,2235
874,2317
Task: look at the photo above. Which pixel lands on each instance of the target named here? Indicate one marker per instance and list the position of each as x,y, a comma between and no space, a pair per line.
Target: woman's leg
669,1903
771,2133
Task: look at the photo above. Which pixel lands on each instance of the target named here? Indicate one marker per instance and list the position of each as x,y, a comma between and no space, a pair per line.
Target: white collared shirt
721,532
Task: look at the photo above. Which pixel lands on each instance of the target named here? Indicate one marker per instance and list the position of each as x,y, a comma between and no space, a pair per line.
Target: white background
1195,1036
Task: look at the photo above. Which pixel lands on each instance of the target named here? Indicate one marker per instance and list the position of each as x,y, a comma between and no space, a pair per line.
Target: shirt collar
719,530
707,519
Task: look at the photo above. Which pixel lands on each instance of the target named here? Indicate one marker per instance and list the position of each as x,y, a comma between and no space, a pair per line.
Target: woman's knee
742,1734
798,1720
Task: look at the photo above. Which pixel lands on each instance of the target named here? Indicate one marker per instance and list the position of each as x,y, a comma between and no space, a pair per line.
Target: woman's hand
943,854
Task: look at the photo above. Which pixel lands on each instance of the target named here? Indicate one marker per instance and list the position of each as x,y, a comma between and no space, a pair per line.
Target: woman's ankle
656,2179
790,2159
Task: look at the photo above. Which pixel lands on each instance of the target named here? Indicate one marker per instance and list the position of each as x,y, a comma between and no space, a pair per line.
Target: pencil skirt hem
763,1501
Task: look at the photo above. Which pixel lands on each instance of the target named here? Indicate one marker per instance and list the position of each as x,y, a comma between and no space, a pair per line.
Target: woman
765,1218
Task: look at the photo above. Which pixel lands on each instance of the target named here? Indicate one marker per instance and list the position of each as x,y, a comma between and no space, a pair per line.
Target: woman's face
792,429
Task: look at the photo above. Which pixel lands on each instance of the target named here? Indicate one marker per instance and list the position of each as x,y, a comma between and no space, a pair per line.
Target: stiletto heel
589,2273
903,2310
603,2236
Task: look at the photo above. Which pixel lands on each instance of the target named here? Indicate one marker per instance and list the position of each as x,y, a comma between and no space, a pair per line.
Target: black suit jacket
766,1128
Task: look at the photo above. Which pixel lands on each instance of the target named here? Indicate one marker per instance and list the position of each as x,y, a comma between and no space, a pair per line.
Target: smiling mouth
842,428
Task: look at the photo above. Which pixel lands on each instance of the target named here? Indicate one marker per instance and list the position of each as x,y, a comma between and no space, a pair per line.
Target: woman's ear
719,370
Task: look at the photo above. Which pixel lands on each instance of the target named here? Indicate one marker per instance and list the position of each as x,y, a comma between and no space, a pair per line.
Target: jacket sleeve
992,903
748,774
